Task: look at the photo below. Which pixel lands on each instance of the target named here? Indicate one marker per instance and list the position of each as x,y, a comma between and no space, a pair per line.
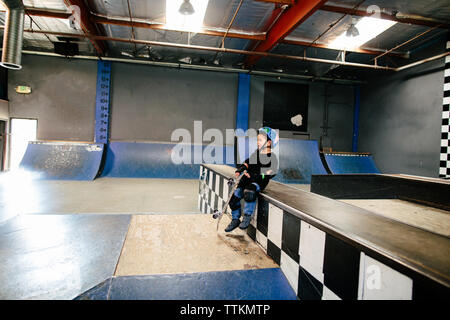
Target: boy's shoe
245,222
233,225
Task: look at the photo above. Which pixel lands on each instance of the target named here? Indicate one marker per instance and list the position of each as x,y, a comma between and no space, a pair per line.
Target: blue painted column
243,103
102,102
357,91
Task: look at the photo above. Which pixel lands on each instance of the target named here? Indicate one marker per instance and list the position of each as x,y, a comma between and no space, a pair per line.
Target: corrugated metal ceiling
437,9
253,16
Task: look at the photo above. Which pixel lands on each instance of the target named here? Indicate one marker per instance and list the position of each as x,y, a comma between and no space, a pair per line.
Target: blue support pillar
102,102
357,91
243,103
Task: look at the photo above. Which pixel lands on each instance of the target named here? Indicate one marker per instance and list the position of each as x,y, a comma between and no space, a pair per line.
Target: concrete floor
427,218
58,256
20,194
129,227
187,243
61,238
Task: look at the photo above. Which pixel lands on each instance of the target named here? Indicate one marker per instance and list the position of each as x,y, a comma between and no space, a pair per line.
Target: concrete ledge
427,191
328,249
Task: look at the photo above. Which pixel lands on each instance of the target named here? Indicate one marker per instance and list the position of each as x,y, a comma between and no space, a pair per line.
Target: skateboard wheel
215,214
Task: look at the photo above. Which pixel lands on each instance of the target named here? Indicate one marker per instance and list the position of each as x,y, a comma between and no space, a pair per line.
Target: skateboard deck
234,182
203,182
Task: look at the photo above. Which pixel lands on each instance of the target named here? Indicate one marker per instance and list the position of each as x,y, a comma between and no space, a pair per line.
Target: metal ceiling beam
357,50
214,49
404,43
125,22
228,29
267,54
206,68
231,23
439,56
86,24
290,19
255,72
398,17
161,26
402,18
275,15
132,27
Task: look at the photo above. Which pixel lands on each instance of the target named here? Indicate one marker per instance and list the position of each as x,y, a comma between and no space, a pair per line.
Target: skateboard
231,182
203,182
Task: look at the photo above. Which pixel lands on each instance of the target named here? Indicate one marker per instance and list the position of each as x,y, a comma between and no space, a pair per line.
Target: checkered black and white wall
213,191
444,170
316,264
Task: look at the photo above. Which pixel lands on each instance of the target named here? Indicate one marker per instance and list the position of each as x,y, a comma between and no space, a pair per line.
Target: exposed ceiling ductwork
13,36
233,30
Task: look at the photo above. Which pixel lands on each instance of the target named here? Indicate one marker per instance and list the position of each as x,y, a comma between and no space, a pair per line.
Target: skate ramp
62,160
119,256
262,284
58,256
298,159
350,163
154,160
168,257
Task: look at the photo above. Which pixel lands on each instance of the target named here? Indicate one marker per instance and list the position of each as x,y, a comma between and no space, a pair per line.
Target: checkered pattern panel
444,168
317,264
213,191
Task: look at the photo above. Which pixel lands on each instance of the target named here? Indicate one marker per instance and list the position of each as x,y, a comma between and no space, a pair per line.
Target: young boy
261,167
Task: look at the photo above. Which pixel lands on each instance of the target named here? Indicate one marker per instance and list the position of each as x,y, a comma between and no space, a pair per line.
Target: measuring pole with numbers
102,102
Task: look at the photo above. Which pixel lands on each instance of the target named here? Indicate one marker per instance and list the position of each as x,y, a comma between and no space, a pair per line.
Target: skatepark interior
95,208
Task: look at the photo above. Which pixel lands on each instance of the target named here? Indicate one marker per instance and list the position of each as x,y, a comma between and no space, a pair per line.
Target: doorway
22,131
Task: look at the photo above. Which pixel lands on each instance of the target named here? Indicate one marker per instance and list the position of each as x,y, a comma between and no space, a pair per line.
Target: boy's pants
249,207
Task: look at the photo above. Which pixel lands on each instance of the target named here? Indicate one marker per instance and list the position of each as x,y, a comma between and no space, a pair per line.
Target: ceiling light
368,28
186,8
178,18
352,30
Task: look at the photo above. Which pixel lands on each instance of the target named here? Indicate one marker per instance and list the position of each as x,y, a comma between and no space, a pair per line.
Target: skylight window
368,29
192,22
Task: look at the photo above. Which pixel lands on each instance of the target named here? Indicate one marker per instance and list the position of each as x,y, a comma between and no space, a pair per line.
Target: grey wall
340,111
62,98
400,121
149,103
